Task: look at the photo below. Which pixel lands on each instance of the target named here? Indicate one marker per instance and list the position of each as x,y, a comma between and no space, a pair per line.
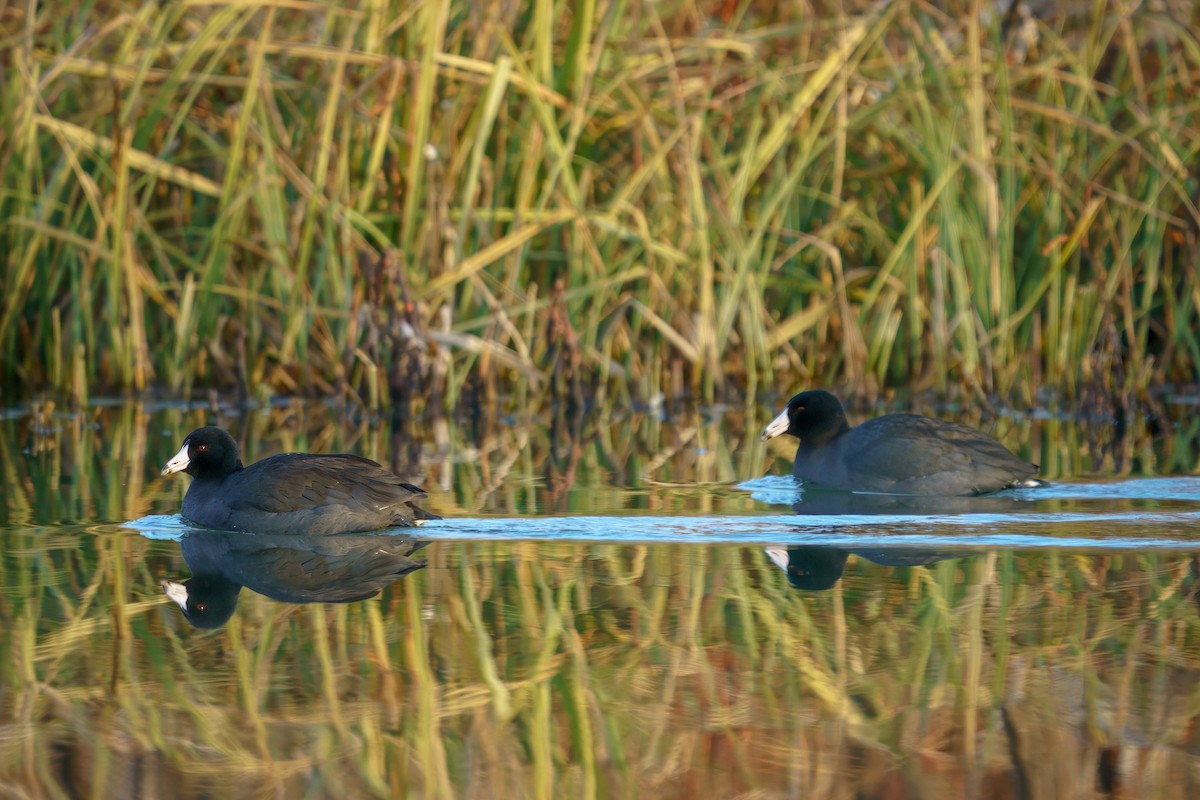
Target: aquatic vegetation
400,204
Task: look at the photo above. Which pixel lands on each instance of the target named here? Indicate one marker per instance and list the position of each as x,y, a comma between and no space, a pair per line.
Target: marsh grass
427,203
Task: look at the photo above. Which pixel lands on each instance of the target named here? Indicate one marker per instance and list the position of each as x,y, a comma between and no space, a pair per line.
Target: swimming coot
896,453
298,493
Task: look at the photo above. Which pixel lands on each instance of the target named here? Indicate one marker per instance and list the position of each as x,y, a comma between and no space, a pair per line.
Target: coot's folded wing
302,482
908,448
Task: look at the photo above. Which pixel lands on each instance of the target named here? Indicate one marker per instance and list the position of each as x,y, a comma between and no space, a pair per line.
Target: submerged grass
394,202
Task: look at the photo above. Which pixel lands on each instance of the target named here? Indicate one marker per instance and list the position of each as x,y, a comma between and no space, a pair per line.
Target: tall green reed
399,203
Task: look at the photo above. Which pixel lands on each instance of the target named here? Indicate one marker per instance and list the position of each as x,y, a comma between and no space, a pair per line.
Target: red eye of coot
202,447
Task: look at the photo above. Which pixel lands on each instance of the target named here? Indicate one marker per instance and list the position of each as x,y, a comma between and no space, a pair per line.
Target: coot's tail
411,513
418,515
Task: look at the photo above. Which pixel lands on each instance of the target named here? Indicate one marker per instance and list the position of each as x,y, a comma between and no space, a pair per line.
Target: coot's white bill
776,427
179,462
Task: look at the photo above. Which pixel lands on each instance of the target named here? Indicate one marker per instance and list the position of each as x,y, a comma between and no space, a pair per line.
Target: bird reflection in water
340,568
816,568
818,501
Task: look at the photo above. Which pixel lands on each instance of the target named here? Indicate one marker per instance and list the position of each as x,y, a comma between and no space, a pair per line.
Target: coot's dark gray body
302,493
897,453
911,454
295,493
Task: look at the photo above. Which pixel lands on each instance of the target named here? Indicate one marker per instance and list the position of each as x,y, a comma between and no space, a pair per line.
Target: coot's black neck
824,432
216,477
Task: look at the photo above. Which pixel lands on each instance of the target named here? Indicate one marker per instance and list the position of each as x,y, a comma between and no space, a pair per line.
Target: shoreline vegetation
412,204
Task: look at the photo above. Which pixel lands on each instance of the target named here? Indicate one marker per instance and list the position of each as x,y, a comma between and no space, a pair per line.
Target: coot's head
813,416
207,602
206,453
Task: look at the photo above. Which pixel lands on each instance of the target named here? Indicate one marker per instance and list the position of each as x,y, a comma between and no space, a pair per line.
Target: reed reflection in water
577,669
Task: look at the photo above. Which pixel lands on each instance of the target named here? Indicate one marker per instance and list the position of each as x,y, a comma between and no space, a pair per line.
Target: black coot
296,493
896,453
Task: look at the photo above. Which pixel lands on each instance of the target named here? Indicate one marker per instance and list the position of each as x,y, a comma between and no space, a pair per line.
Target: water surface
622,606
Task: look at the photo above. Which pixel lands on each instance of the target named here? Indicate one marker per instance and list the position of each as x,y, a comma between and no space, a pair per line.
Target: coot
896,453
296,493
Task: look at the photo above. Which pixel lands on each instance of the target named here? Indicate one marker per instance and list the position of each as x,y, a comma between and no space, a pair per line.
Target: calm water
613,607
